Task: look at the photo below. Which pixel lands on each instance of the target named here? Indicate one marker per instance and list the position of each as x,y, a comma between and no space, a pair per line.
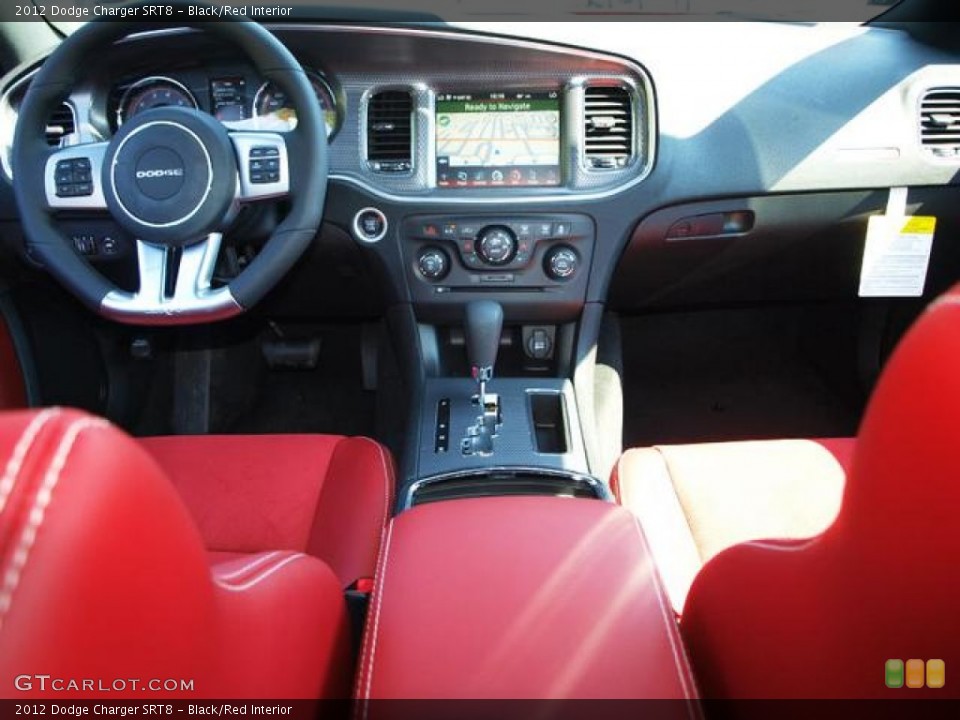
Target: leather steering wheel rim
304,155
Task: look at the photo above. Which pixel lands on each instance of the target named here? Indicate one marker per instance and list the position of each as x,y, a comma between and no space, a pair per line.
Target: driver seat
213,565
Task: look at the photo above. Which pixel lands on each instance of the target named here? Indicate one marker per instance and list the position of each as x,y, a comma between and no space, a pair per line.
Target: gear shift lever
483,325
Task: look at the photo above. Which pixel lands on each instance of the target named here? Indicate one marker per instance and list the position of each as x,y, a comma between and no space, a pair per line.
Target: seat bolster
643,484
248,494
103,573
353,509
284,624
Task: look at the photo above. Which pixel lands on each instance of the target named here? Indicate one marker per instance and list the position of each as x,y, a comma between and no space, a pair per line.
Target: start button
370,225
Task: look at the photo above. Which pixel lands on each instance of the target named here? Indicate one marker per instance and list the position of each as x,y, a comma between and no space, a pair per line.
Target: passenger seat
865,609
695,501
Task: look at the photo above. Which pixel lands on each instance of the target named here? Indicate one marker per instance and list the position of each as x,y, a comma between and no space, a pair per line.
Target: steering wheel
171,177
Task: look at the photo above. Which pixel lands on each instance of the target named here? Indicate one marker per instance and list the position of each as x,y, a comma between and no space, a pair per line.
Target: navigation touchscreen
498,139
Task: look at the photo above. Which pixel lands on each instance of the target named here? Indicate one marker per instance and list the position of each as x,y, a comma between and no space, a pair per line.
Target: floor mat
733,374
329,399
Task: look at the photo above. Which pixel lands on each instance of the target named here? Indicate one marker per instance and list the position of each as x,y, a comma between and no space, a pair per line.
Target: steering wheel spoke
72,178
174,283
263,165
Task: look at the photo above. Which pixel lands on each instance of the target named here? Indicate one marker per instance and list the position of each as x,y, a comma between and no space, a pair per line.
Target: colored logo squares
915,673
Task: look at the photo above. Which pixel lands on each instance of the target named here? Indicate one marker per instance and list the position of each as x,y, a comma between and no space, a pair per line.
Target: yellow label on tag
920,226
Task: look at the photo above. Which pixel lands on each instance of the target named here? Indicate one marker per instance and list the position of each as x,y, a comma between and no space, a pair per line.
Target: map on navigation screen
498,139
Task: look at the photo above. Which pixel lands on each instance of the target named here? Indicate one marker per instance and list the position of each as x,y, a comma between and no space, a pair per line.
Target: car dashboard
383,90
557,171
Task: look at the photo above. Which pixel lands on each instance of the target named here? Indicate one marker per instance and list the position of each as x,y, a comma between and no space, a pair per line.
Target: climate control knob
433,263
496,245
561,262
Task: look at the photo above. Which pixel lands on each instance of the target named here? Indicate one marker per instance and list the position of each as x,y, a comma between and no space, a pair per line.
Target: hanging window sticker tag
896,256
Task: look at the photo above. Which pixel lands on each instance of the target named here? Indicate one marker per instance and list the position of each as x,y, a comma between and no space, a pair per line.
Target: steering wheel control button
497,245
561,262
264,164
370,225
433,263
74,178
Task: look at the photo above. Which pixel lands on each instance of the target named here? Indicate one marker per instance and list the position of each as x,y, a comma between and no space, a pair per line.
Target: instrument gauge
153,92
274,110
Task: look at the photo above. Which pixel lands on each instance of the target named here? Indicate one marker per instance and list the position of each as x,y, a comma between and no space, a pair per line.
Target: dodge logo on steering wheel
160,172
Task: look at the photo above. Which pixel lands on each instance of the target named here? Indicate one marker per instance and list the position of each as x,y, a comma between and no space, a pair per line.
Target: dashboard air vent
940,122
61,124
390,131
608,127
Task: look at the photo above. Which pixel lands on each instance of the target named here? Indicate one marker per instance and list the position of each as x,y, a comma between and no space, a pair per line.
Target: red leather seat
323,495
105,576
695,501
820,618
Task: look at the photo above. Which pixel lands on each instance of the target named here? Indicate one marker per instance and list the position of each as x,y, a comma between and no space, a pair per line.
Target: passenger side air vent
940,122
61,124
608,127
390,131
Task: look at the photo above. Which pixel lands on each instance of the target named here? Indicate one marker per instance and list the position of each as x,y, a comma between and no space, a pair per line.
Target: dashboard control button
433,263
544,229
85,244
561,262
109,246
370,225
539,345
469,231
497,245
562,229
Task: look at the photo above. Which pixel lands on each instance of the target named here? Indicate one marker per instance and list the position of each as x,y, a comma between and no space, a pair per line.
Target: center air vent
608,127
390,131
60,125
940,122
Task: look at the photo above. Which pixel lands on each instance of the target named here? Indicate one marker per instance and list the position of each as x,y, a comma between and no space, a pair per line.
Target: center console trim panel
599,488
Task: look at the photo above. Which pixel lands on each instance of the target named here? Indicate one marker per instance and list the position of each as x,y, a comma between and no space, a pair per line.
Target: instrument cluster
237,100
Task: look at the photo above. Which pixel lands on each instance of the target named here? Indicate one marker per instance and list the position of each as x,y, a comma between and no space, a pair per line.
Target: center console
521,598
497,298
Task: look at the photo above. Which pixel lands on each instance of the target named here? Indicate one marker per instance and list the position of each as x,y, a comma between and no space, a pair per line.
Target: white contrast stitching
785,546
382,576
253,582
380,555
250,566
29,436
14,571
387,481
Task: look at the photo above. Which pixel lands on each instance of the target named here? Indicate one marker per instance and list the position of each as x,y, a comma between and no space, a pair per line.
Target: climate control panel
526,256
482,244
